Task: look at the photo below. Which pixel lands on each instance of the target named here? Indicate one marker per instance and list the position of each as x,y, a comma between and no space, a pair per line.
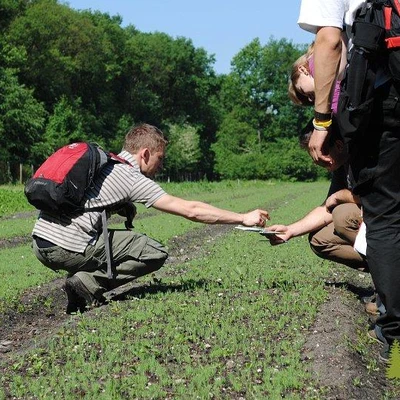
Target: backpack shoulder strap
116,158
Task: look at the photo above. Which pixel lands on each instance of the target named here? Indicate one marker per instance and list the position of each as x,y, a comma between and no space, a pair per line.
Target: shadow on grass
141,290
360,291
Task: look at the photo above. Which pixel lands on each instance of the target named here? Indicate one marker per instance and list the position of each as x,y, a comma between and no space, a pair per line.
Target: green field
228,324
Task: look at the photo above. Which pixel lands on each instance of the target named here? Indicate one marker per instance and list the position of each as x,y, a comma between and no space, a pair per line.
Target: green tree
123,126
236,151
183,151
258,85
257,110
168,79
69,123
285,160
75,55
22,119
9,10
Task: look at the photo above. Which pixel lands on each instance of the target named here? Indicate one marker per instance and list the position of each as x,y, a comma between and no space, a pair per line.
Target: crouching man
75,243
332,226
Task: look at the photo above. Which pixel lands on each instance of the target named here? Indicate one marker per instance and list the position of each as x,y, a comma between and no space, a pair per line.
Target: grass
19,270
12,200
228,325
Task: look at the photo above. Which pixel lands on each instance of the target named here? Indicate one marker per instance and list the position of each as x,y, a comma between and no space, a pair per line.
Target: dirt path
327,353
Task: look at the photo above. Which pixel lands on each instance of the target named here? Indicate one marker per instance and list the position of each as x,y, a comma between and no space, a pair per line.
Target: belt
43,243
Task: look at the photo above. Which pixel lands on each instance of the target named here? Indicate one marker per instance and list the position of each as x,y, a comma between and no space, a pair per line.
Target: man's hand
317,147
331,202
127,210
282,237
256,217
340,197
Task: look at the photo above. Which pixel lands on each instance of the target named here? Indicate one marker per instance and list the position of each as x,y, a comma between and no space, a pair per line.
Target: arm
327,56
340,197
203,212
315,219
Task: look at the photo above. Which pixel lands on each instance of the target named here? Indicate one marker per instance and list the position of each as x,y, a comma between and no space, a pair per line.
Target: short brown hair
144,135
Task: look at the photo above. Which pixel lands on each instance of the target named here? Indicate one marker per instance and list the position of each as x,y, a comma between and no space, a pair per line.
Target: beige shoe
371,308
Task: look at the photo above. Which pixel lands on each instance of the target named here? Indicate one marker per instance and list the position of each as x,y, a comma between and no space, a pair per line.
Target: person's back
74,231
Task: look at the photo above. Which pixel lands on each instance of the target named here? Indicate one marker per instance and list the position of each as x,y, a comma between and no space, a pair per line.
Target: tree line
68,75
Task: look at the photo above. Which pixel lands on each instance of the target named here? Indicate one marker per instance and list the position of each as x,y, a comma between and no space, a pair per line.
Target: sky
221,27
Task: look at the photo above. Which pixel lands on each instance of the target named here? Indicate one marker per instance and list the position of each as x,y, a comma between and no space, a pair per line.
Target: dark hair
144,135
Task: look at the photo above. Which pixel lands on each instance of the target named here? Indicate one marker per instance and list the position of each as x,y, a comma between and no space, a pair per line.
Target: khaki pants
133,255
335,241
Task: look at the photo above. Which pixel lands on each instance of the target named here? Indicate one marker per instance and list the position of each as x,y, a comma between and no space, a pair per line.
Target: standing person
375,159
326,19
74,242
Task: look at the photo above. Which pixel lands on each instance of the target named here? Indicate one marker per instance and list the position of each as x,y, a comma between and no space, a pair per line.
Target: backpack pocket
357,95
368,35
353,121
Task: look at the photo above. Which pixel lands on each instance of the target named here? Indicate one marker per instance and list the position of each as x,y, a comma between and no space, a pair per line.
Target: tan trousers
335,241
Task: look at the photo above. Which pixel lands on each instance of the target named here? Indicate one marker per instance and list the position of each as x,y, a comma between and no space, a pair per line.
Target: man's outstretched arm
202,212
315,219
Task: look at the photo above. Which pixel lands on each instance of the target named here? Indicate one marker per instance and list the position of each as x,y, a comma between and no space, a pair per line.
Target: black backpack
376,46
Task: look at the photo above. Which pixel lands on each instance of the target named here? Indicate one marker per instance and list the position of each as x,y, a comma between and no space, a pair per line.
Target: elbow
191,212
330,37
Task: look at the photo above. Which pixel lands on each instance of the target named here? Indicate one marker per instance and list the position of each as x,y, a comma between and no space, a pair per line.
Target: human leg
346,220
133,255
57,258
335,241
381,204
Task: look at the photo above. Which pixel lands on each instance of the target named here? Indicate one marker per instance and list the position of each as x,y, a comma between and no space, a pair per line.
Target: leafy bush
12,200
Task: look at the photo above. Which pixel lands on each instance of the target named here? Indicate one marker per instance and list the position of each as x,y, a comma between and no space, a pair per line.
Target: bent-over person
74,242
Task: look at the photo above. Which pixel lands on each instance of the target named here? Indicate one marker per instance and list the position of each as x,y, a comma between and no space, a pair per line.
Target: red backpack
60,183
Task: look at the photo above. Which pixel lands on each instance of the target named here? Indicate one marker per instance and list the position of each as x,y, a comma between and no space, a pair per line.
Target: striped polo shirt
115,184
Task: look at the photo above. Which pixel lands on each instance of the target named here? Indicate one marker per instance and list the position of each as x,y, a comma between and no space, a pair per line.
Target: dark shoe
79,297
384,354
372,319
